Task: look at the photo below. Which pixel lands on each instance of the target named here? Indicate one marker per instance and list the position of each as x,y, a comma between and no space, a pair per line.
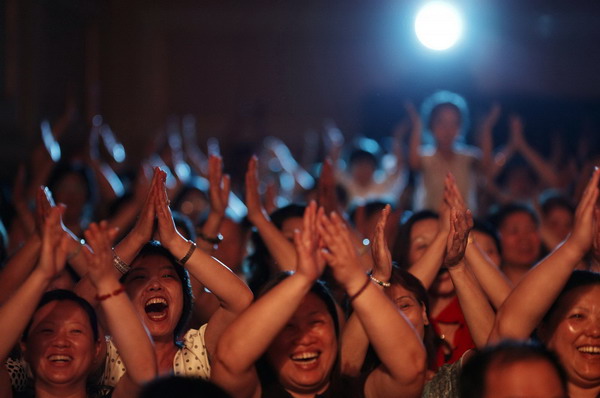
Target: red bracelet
362,289
105,296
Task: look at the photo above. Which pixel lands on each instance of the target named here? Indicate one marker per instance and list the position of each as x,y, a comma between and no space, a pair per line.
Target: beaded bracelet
108,295
188,254
380,283
119,264
362,289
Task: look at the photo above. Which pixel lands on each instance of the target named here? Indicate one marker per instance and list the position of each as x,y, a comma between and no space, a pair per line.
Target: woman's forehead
311,305
399,291
60,311
150,261
582,297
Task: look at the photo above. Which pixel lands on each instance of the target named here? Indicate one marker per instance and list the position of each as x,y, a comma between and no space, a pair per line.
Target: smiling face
304,352
60,345
411,307
573,332
156,292
520,240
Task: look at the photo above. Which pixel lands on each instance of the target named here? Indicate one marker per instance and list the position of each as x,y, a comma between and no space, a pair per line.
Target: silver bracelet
119,264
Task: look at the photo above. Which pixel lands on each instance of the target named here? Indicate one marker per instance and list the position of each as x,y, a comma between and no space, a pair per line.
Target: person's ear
424,314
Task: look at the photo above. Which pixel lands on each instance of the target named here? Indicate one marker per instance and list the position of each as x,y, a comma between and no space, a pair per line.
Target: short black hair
487,228
578,279
499,215
66,295
180,386
358,155
473,374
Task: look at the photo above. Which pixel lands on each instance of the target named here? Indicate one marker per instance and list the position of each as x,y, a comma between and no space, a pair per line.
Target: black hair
550,200
499,215
401,246
372,207
196,184
180,386
185,224
578,279
154,248
358,155
86,173
411,283
487,228
66,295
473,375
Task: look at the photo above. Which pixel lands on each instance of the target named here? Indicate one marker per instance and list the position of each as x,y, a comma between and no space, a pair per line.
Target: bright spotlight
438,25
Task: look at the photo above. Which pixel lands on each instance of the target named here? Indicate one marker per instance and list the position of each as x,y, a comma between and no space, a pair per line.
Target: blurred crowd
422,264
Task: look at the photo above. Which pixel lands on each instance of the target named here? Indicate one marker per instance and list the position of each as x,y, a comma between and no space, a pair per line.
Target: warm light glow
438,25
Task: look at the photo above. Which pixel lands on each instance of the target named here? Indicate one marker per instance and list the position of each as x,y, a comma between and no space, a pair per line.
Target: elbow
415,379
415,375
225,359
244,300
504,329
141,375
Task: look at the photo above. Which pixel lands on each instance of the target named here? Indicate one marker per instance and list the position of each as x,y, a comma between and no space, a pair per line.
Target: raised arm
488,276
130,245
109,184
21,264
19,308
248,337
414,156
233,294
525,307
354,339
543,169
486,142
122,321
474,303
142,231
219,188
402,372
427,267
281,249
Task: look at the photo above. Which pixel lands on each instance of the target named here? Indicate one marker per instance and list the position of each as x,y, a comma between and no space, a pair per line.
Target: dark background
256,68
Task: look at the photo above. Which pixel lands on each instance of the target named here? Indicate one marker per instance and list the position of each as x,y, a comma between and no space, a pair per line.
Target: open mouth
156,308
305,357
58,358
589,349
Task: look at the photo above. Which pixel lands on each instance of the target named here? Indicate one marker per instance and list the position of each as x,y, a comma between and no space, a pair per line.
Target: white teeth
156,300
59,358
305,356
588,349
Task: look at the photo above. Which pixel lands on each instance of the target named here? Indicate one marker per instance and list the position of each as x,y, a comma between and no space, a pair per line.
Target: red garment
462,337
